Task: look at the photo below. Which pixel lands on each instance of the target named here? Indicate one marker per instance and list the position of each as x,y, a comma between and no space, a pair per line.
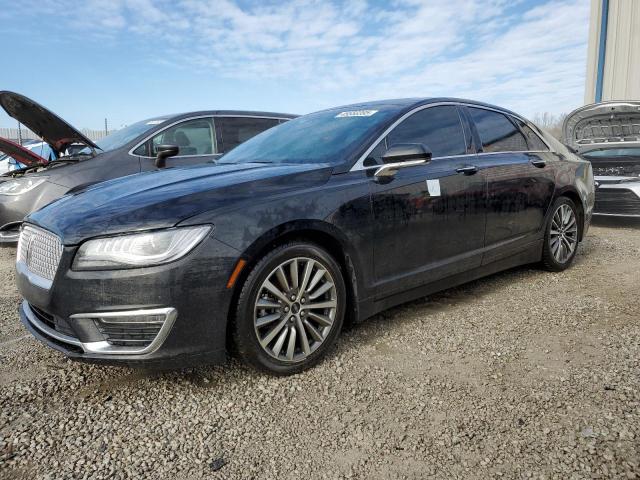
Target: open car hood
21,154
601,126
44,123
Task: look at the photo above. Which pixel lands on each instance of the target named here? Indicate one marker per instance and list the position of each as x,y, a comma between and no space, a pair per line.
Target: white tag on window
356,113
433,186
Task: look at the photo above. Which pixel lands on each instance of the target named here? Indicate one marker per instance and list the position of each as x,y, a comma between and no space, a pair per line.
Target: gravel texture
525,374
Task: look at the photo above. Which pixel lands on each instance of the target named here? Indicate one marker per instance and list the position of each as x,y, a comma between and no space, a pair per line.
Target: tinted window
534,141
438,128
497,132
237,130
194,137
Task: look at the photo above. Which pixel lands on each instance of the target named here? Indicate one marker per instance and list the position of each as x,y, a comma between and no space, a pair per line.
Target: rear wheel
561,236
290,310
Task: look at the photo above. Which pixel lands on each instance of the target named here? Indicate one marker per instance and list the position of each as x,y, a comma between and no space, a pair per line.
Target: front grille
617,202
40,250
128,334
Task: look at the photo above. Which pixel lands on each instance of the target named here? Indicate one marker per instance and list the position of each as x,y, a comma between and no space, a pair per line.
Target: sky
126,60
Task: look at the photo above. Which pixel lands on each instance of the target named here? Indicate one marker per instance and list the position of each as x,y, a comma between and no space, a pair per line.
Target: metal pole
602,49
19,134
106,129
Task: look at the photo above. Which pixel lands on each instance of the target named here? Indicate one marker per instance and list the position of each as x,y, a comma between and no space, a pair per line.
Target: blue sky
132,59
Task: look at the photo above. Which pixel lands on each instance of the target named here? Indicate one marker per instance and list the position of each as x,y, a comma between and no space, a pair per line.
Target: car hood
164,198
603,125
44,123
21,154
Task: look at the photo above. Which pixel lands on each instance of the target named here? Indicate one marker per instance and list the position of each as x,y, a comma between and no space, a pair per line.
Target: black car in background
200,137
337,214
608,135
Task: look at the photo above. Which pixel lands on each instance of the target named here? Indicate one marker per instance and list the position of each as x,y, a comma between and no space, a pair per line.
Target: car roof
411,103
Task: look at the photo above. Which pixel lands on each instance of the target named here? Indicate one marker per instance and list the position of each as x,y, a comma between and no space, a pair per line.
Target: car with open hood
608,135
334,215
189,138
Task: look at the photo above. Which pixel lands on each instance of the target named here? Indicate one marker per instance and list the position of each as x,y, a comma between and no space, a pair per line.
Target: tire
254,323
561,236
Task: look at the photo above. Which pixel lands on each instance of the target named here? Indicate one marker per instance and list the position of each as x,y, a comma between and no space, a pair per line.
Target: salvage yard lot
524,374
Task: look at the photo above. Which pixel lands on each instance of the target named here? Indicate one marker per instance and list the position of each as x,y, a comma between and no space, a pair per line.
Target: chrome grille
40,251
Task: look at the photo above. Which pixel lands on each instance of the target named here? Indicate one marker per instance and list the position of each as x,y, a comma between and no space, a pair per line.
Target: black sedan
198,137
330,217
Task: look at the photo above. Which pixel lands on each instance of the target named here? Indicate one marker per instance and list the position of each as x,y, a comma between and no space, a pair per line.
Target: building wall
621,79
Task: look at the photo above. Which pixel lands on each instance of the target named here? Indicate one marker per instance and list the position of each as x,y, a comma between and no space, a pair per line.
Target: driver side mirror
163,152
402,155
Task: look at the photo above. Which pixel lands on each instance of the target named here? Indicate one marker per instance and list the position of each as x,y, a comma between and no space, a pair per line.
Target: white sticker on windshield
155,122
356,113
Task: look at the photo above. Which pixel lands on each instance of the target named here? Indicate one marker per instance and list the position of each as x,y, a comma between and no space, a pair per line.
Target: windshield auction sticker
356,113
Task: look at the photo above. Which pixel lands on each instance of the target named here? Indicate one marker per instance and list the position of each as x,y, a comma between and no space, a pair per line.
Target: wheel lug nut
286,309
292,297
292,319
302,300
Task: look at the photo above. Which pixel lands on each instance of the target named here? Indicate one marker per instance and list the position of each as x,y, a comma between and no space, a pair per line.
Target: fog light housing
129,332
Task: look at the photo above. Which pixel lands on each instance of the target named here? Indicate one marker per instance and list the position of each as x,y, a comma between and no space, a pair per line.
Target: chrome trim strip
213,117
623,215
34,279
359,164
105,348
33,320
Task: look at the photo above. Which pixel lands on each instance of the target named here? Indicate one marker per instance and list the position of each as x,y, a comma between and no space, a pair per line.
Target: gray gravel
525,374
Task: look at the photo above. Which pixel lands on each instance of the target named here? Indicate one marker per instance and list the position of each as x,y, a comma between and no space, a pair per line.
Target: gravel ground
525,374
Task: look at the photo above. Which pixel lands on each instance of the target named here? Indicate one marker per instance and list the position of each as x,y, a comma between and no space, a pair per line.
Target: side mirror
402,155
164,152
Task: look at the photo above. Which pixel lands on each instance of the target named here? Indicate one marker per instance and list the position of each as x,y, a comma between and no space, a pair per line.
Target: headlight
20,186
138,249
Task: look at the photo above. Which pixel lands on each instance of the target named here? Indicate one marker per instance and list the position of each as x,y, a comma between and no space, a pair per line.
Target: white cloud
495,50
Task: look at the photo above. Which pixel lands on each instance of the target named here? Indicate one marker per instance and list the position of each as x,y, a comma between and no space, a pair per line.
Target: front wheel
561,236
290,310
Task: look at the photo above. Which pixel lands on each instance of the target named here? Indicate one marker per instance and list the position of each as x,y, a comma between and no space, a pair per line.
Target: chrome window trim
215,140
359,164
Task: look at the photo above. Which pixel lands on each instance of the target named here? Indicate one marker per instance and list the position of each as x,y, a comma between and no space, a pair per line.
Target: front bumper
617,197
187,299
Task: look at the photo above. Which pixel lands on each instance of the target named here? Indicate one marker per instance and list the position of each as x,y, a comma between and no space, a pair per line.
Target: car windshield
123,136
614,152
323,137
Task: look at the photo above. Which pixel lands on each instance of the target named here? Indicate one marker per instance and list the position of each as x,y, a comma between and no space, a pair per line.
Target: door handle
538,163
469,170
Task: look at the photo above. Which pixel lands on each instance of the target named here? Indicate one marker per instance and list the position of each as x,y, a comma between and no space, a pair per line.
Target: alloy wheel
563,236
295,309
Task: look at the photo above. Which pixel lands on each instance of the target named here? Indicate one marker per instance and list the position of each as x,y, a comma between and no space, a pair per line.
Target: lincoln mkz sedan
329,217
199,137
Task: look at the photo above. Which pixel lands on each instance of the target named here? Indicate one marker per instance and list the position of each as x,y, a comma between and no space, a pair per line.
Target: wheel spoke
293,270
282,278
326,304
292,343
277,348
314,333
266,303
321,319
322,289
275,291
316,278
272,334
306,276
304,341
267,319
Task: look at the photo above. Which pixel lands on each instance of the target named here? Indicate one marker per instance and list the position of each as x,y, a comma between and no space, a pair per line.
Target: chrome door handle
470,170
538,163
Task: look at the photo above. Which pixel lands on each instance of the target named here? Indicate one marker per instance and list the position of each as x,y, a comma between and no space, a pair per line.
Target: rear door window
497,132
193,137
236,130
533,139
439,128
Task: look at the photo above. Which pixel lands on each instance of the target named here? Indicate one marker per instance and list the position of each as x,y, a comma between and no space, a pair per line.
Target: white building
613,62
